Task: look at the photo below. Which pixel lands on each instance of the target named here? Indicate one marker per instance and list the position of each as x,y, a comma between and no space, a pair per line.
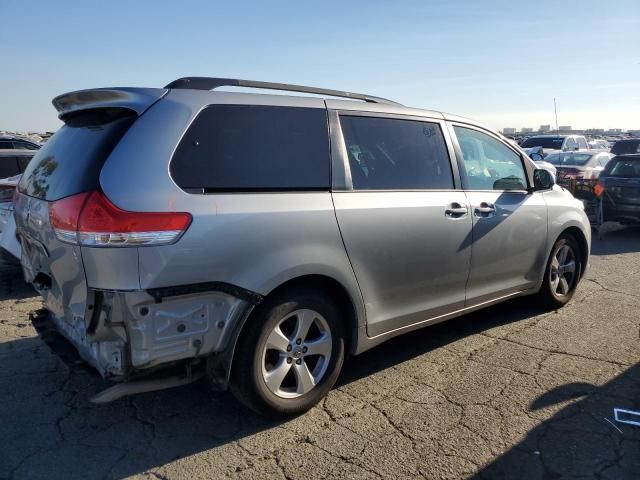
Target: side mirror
536,157
542,179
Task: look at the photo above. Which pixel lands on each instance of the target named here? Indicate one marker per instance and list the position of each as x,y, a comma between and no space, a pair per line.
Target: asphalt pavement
509,392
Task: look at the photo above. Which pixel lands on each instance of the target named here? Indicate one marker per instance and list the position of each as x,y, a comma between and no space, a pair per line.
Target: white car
9,246
584,164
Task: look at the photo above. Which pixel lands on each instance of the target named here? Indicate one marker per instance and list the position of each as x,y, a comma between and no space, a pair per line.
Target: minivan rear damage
129,335
69,229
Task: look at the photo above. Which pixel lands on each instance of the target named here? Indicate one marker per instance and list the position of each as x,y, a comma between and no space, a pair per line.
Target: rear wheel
563,272
290,354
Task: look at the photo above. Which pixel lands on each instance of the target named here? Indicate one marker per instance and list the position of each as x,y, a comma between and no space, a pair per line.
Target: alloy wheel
563,271
297,353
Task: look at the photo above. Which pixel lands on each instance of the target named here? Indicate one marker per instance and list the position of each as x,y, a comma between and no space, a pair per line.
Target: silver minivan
259,239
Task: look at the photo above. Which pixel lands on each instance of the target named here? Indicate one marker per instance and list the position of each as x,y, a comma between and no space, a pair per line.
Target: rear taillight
90,219
598,190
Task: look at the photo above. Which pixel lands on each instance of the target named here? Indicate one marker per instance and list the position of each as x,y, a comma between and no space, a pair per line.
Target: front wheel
562,274
290,354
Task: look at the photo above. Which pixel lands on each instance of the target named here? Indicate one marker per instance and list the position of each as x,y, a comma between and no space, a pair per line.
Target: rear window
623,167
626,147
231,148
544,142
71,160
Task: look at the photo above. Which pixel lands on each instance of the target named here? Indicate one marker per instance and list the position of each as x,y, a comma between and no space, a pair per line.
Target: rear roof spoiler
211,83
135,99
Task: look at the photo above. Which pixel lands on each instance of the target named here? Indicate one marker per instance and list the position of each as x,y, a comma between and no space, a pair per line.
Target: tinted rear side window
254,148
23,162
8,167
70,162
394,154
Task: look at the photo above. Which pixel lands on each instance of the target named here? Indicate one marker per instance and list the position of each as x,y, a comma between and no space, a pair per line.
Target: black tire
247,382
548,295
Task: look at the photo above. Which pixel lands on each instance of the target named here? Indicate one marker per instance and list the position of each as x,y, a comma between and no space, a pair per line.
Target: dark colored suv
619,188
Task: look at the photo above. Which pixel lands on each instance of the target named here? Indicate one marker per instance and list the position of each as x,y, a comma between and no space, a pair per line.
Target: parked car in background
624,147
11,142
619,189
546,144
9,246
275,234
602,145
586,164
12,164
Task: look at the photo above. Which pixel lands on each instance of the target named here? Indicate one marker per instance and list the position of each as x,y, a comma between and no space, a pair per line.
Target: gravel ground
510,392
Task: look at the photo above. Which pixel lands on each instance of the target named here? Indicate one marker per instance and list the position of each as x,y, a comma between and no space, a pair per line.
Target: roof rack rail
211,83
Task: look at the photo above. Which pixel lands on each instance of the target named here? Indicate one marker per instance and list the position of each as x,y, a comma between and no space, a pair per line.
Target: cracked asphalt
509,392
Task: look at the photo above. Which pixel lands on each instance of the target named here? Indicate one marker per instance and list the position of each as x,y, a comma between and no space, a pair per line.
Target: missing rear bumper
63,348
132,334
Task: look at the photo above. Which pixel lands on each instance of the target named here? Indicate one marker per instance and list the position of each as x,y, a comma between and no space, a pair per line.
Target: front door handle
455,210
485,210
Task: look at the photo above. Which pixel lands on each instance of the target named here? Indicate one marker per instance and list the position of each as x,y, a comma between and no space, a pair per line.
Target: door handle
485,210
455,210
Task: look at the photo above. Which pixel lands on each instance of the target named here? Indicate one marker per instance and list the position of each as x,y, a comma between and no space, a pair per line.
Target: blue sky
501,62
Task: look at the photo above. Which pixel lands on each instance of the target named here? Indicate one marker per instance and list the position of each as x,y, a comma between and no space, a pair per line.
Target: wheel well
579,237
335,290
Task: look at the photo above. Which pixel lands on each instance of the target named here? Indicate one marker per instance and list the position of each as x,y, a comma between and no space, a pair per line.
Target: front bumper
132,333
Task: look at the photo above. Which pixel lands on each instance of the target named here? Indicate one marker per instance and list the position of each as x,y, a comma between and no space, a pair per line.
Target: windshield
578,159
544,142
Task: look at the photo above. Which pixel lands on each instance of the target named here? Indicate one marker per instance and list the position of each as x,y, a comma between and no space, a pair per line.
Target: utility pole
555,109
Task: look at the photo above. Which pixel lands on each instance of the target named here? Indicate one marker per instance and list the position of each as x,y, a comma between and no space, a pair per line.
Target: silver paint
400,256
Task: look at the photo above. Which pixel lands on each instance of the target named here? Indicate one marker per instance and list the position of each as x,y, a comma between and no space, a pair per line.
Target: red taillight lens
100,215
64,213
598,190
92,220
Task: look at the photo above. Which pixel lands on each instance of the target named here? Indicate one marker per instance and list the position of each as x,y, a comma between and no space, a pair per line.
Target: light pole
555,109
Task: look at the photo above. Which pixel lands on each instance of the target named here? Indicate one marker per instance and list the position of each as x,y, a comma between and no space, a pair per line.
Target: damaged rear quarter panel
253,241
177,327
